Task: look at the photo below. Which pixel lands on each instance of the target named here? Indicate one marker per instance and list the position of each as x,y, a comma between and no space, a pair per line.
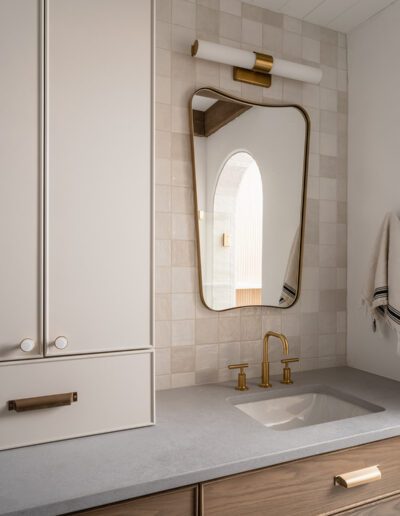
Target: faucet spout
265,362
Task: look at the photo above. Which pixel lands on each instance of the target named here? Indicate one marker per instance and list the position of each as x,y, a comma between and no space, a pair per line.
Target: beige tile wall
194,345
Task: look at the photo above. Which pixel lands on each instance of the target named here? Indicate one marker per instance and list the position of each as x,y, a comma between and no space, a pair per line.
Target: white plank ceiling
341,15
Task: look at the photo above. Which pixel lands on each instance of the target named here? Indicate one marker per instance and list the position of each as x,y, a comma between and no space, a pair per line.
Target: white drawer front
115,392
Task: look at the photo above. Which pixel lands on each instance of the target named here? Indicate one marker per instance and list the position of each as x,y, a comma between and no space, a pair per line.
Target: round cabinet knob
61,342
27,345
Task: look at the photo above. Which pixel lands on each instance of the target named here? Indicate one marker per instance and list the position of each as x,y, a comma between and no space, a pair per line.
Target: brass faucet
265,363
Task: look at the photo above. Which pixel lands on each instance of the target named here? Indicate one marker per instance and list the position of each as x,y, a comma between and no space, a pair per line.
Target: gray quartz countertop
199,435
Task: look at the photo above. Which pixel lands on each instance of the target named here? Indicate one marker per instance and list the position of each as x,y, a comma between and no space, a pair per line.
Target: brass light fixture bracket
259,75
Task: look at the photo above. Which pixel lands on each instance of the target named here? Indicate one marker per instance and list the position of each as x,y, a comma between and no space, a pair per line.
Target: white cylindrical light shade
224,54
247,59
296,71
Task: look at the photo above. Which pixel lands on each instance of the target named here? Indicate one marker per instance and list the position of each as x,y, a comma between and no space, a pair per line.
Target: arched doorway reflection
238,229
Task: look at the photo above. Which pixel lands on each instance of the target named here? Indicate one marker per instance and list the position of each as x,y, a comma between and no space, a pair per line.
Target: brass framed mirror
249,172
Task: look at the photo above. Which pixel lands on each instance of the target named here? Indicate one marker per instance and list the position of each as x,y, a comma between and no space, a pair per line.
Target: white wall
194,344
374,174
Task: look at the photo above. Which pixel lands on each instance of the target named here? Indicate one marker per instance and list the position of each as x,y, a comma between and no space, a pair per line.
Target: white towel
291,281
382,293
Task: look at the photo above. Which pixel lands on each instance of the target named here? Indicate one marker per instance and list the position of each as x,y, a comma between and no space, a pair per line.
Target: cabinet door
20,179
99,55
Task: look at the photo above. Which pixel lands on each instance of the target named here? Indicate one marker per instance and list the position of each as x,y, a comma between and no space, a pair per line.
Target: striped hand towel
382,294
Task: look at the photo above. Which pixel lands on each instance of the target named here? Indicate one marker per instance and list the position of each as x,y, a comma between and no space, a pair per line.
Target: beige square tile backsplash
194,345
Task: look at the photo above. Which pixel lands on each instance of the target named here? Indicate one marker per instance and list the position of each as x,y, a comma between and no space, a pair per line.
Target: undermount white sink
304,409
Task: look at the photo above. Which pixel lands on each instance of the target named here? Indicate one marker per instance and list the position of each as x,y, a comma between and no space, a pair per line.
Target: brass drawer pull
358,477
41,402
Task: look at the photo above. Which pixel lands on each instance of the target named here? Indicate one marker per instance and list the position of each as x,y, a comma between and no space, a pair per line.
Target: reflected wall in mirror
250,167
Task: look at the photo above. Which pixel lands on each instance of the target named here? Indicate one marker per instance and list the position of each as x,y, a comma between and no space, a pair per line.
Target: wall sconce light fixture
254,67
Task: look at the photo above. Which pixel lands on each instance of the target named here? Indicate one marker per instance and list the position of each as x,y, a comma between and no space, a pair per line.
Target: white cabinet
98,174
75,171
20,178
75,215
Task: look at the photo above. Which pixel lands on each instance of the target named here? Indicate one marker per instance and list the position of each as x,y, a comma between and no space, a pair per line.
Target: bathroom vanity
303,487
206,455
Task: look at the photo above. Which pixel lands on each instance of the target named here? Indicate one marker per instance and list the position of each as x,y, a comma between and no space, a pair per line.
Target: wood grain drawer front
181,502
305,487
114,392
385,507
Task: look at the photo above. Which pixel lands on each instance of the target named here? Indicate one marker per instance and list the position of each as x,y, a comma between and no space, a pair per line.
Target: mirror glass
250,163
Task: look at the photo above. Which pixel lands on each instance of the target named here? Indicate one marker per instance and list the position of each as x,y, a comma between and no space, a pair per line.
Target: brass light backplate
252,77
259,75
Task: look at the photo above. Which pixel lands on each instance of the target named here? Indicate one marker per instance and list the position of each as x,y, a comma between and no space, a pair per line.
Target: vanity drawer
385,506
179,502
305,487
113,392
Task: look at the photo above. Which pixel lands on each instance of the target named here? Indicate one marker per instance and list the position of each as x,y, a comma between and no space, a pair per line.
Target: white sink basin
304,409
